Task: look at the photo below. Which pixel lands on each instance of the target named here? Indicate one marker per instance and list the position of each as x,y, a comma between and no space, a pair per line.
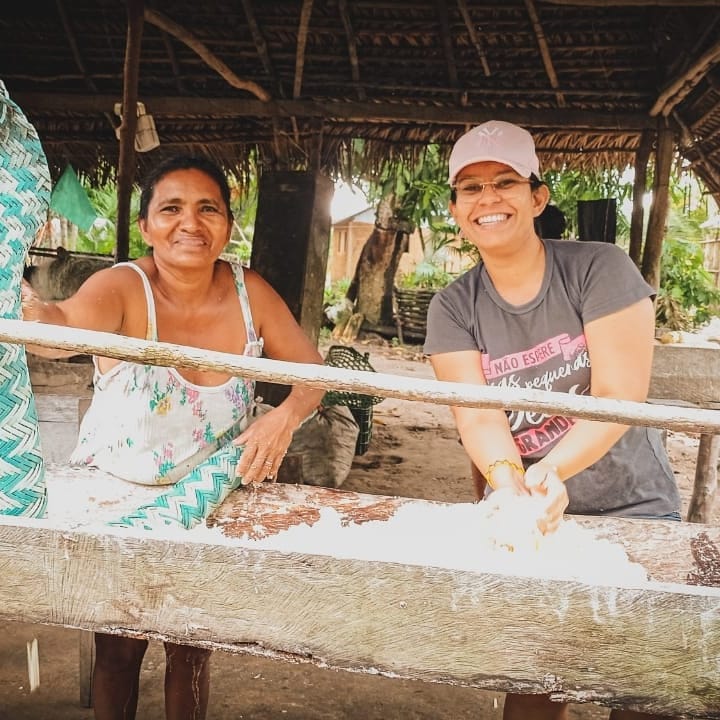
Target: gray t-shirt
541,345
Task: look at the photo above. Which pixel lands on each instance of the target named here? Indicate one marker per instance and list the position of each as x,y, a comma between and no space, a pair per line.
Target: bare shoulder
258,288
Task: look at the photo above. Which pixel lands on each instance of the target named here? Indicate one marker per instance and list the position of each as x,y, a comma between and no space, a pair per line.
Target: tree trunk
371,288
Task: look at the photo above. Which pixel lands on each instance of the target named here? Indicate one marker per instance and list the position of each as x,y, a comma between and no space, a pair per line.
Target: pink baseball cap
499,141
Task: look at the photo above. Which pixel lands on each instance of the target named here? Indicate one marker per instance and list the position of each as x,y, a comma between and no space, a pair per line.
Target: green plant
569,186
336,292
101,237
427,276
687,297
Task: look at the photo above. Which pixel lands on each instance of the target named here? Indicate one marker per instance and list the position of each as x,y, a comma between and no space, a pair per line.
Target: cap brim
522,170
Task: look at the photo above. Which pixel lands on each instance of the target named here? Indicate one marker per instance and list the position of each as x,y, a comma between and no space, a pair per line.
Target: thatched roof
291,82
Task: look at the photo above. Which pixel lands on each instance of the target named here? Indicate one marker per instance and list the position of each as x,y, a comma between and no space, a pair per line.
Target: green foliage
419,194
336,292
569,186
426,275
101,237
687,297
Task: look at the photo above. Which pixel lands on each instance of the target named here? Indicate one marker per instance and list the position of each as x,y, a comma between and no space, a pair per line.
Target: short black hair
182,162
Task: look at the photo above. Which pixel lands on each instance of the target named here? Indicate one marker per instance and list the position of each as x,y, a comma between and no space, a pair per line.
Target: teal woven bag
24,200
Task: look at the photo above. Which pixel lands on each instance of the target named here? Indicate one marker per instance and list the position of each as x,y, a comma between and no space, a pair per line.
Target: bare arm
97,305
485,433
487,439
284,340
267,440
620,348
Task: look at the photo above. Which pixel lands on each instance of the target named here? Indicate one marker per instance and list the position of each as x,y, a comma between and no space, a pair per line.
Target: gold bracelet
504,461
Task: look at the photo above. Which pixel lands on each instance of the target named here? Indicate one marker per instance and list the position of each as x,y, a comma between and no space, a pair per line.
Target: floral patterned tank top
144,420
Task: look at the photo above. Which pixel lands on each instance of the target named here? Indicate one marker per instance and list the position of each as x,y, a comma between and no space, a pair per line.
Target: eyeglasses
470,189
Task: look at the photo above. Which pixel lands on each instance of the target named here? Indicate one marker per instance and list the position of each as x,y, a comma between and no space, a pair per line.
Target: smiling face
500,217
187,219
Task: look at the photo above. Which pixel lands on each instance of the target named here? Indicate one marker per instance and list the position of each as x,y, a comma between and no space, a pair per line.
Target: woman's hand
542,480
265,443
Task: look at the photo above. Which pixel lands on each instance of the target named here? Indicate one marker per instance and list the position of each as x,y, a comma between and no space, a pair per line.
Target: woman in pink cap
553,315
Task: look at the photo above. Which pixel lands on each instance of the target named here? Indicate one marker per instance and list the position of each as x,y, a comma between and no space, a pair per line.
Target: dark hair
182,162
535,183
551,222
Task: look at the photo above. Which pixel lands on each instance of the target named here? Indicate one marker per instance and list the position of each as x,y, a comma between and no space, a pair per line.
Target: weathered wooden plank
654,647
330,378
686,373
59,376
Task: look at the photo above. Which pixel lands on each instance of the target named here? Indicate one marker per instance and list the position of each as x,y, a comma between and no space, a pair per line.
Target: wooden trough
652,646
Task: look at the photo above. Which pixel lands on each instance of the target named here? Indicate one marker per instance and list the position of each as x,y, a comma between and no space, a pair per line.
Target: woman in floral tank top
145,420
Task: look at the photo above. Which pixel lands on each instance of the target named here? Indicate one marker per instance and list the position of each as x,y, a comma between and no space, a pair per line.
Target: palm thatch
290,83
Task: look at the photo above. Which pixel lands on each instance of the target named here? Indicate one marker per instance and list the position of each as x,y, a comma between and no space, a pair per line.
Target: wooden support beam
176,30
544,51
128,127
651,647
261,46
621,123
352,48
655,233
331,378
303,26
635,3
706,482
447,46
637,219
474,37
679,88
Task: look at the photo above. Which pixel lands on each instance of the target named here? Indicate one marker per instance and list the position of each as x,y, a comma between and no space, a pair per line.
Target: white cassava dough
498,535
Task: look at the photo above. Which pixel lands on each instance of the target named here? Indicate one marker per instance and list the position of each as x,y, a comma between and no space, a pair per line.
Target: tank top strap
151,333
244,301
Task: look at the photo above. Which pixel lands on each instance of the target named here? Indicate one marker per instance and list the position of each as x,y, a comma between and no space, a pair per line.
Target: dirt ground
413,453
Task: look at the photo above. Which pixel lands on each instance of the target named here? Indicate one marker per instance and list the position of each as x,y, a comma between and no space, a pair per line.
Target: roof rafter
448,48
174,64
474,38
679,88
347,111
545,51
633,3
352,47
302,34
170,26
261,46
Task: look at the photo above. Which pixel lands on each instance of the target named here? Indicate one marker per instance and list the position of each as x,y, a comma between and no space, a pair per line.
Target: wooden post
291,245
639,186
658,210
705,487
128,127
